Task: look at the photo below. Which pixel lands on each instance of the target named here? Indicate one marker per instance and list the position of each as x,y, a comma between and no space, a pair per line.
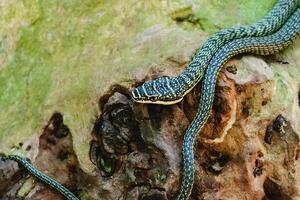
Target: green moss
213,15
24,83
85,195
162,177
182,13
105,166
217,14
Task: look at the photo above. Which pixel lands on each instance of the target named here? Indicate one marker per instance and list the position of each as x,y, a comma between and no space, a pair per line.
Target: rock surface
248,149
55,157
244,150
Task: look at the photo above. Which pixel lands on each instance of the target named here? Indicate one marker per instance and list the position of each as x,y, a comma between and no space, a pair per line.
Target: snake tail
41,176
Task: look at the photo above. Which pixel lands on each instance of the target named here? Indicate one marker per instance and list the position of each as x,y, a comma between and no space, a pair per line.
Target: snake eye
152,98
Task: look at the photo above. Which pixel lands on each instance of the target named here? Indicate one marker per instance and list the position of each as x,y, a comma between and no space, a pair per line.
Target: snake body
257,45
169,90
41,176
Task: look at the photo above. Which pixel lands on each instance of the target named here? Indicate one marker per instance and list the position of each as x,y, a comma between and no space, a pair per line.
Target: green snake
160,91
169,90
258,45
41,176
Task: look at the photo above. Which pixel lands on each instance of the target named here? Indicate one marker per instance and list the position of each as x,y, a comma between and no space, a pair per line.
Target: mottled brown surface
55,157
11,178
238,155
137,147
128,148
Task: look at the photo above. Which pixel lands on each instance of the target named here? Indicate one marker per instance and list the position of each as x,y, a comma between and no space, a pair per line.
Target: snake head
146,93
158,91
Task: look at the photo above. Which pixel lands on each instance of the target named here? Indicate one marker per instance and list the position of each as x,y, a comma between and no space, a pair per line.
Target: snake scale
215,52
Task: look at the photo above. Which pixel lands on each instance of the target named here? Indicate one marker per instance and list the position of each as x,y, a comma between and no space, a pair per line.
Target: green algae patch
213,15
62,55
216,14
182,14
